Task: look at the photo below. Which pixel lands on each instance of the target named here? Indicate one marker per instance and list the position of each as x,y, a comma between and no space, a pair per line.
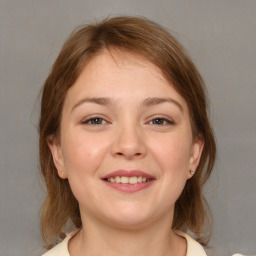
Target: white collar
193,247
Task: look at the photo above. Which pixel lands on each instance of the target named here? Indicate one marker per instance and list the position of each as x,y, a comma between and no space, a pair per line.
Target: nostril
128,154
128,150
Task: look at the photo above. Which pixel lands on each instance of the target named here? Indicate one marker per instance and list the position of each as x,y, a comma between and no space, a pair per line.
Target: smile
128,180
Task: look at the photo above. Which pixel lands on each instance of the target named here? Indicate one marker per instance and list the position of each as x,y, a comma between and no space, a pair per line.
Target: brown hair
154,43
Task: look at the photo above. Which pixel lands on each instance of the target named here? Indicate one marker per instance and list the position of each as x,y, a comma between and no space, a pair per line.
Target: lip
129,188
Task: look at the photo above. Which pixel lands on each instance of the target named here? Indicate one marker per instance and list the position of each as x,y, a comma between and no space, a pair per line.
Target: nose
129,143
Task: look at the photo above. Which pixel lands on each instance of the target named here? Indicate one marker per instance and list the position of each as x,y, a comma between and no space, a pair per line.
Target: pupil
96,121
158,121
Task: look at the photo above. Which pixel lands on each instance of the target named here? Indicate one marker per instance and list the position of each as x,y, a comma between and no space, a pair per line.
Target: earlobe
195,156
57,155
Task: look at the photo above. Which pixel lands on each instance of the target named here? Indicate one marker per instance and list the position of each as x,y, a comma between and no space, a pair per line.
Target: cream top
61,249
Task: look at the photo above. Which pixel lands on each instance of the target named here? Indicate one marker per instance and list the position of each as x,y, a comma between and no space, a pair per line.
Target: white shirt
193,247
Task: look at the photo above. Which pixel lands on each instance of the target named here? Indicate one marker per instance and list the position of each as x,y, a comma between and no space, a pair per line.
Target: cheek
83,156
172,156
83,153
173,153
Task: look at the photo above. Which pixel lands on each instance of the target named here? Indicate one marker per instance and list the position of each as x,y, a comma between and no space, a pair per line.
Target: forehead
116,62
121,74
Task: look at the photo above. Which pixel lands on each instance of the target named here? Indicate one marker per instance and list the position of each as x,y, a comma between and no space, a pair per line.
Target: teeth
128,180
124,180
133,180
117,179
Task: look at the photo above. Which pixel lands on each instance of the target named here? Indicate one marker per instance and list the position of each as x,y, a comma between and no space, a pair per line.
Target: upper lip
128,173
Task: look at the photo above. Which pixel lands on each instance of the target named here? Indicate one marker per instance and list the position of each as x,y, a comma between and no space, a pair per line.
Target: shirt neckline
193,247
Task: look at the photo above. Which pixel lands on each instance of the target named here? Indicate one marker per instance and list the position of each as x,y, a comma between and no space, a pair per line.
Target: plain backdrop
219,35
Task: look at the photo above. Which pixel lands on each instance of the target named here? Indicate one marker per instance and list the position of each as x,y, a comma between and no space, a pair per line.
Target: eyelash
91,119
164,121
160,120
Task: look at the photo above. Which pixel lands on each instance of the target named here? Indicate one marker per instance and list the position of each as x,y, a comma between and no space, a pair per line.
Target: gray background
220,37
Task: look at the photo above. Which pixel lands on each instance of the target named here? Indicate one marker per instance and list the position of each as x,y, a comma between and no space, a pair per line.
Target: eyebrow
156,100
100,101
108,101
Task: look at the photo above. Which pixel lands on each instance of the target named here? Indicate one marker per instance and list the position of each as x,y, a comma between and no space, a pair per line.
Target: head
152,43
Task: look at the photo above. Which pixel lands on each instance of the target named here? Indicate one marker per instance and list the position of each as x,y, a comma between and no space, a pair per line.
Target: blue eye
94,121
161,121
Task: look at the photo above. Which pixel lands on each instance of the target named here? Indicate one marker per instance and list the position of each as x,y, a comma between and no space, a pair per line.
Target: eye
161,121
94,121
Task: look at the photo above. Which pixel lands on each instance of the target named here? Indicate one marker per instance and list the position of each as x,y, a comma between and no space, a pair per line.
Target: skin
124,132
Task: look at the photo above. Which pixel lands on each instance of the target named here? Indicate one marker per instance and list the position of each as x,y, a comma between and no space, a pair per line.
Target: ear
196,152
57,155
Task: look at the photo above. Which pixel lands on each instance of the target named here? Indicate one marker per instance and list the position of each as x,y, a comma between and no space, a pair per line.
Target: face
126,143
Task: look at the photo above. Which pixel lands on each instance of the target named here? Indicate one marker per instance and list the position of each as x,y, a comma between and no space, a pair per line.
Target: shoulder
61,249
193,247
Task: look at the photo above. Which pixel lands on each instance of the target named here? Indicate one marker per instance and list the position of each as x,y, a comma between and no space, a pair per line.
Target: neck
156,239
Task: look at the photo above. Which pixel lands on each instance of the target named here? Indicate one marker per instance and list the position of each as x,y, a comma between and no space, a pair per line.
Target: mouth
128,181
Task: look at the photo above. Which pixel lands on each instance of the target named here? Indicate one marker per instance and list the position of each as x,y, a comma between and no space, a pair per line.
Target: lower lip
129,188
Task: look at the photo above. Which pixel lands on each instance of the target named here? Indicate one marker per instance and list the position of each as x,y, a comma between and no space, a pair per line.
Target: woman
125,144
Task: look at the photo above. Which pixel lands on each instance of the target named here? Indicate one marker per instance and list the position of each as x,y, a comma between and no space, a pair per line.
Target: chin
130,218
